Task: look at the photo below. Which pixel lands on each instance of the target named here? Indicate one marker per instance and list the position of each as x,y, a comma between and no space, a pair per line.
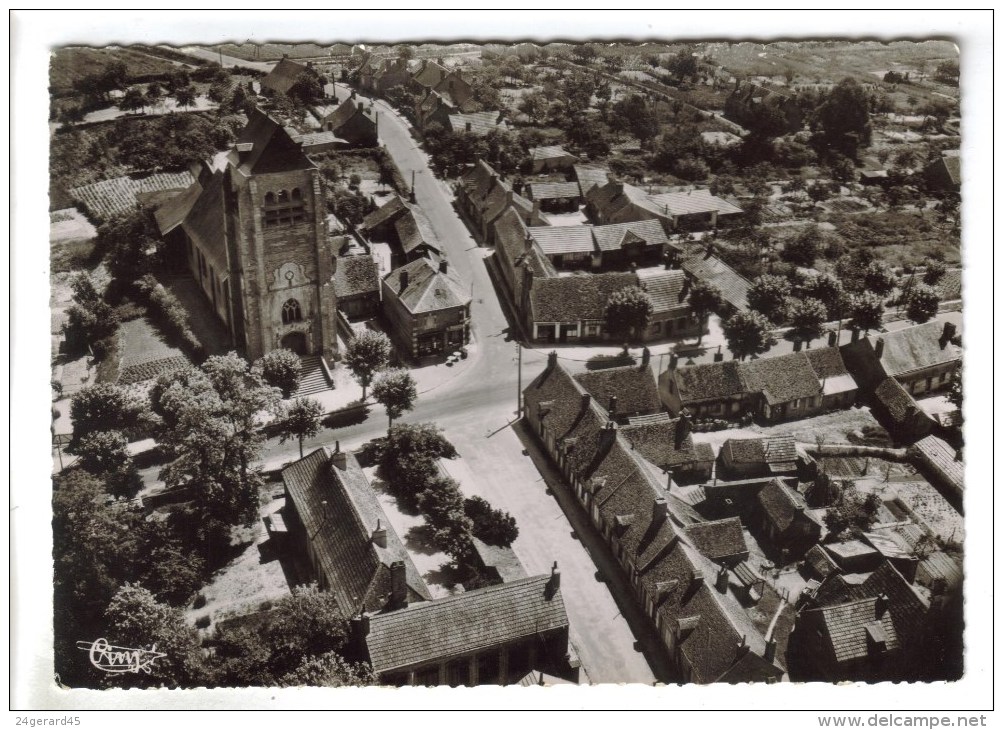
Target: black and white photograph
410,359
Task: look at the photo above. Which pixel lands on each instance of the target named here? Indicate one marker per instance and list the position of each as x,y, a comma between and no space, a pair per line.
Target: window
283,197
279,211
296,194
269,198
291,312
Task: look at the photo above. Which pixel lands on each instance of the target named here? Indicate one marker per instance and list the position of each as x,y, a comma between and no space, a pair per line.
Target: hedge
168,313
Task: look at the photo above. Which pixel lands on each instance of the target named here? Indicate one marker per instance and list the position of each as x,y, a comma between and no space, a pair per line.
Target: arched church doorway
295,341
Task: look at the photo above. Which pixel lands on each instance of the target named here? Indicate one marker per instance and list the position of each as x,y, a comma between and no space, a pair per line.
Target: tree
879,279
922,303
704,299
844,118
301,421
589,134
956,393
104,407
307,623
132,100
807,317
768,295
129,242
329,670
366,354
682,65
635,113
492,526
935,271
584,53
154,95
442,503
135,619
407,457
803,249
748,333
405,53
174,572
307,89
829,290
280,369
396,391
866,311
218,91
185,96
628,312
851,512
89,319
106,454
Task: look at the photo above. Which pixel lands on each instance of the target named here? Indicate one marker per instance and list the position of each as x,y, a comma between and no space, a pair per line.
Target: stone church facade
256,240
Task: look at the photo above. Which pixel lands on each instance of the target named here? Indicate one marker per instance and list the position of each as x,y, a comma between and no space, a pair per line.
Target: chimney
586,401
832,338
536,209
612,406
668,479
358,630
554,584
339,458
659,510
380,535
673,360
443,266
362,107
685,291
880,605
696,579
879,348
683,428
770,652
467,126
722,580
645,357
403,282
352,96
398,585
743,648
551,360
950,330
607,436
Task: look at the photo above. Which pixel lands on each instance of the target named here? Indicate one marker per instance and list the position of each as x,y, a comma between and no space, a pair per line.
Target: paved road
209,54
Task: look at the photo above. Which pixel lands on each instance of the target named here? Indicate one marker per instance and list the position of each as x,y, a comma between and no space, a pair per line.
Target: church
254,235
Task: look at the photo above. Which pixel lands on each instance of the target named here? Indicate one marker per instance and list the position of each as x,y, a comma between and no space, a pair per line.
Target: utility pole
518,394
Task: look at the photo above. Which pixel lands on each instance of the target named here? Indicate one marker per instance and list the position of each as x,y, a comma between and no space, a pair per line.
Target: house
353,122
618,202
671,315
427,309
898,411
666,443
625,392
745,105
556,197
710,269
941,463
497,564
405,227
881,629
723,541
694,604
923,357
378,76
335,520
483,196
819,563
874,177
314,143
785,520
720,139
428,75
477,123
590,177
616,246
357,285
773,388
853,557
254,235
758,457
944,174
433,108
550,159
492,635
455,91
283,76
568,308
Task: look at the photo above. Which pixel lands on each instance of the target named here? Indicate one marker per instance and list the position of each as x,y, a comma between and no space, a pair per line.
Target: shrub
493,526
202,622
280,369
200,601
169,315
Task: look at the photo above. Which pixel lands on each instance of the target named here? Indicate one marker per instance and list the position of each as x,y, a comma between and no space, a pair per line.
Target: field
275,51
110,197
67,65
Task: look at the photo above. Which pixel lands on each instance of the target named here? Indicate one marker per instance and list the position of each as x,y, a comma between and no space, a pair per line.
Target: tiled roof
718,539
915,348
734,288
348,109
575,298
633,386
502,559
428,289
173,213
430,73
414,229
283,76
611,237
781,379
205,222
558,240
668,289
272,149
937,455
781,504
939,566
457,625
316,139
851,627
552,190
510,251
553,152
356,275
820,561
656,442
826,362
480,122
589,177
392,208
339,511
694,202
709,381
479,178
895,400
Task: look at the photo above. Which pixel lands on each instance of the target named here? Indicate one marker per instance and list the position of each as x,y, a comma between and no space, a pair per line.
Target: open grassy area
70,64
